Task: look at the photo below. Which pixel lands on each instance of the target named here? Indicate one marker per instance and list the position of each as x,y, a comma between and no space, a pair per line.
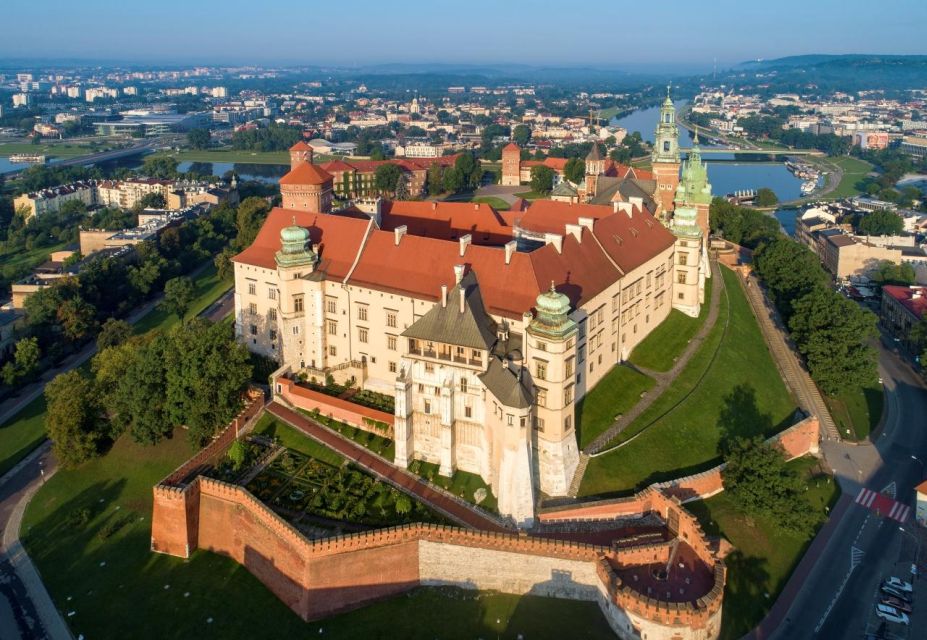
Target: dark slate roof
473,328
628,188
509,387
594,153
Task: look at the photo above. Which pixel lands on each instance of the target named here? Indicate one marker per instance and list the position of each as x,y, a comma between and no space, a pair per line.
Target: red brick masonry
354,414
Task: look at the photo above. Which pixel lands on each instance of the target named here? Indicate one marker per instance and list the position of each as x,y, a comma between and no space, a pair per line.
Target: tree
790,270
756,476
160,167
833,334
881,223
142,277
113,333
26,357
178,294
766,197
890,273
72,419
154,200
250,218
452,180
521,134
403,504
199,138
223,261
575,170
237,454
386,178
542,179
435,179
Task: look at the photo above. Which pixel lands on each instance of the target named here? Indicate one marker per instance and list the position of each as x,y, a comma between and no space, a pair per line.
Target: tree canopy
575,170
880,223
542,179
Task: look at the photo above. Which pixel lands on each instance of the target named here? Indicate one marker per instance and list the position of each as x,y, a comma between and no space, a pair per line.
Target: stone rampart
355,415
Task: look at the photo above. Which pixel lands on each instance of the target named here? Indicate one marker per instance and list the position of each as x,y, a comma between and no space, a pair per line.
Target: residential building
902,309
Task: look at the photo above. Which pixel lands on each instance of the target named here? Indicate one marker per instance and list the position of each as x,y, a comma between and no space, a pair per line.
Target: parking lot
878,627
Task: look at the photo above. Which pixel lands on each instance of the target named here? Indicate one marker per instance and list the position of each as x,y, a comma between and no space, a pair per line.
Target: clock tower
665,156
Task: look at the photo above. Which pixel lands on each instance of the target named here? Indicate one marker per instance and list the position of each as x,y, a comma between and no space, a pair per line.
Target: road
839,578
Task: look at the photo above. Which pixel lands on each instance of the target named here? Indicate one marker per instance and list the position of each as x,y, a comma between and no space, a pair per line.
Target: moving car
891,614
898,583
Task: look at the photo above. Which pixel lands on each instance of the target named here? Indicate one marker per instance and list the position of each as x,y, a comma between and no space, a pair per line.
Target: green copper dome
552,319
295,248
553,302
293,239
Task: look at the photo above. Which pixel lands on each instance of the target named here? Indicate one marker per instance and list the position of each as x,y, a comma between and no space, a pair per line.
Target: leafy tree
575,170
223,261
833,334
144,276
113,333
178,294
756,476
153,200
542,179
137,402
273,137
435,179
881,223
25,361
250,218
521,134
766,197
199,138
386,178
78,318
160,167
790,270
742,225
452,180
237,454
72,419
891,273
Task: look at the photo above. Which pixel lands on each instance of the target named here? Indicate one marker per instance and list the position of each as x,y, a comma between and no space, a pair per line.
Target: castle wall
356,415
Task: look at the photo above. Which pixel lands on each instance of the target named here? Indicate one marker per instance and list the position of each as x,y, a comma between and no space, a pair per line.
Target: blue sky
616,33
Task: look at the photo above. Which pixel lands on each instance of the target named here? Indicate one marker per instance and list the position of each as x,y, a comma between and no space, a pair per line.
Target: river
726,173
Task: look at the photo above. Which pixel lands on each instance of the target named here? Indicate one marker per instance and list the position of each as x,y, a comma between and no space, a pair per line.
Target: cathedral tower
511,165
665,156
595,166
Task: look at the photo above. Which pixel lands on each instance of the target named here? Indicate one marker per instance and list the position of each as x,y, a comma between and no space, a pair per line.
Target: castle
487,327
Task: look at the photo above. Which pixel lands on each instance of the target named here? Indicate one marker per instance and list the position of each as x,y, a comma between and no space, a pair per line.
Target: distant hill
847,72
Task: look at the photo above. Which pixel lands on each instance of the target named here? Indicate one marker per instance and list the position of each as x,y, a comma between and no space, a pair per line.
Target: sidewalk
400,478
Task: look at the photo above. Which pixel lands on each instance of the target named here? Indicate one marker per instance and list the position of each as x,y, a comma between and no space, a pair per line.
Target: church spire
666,135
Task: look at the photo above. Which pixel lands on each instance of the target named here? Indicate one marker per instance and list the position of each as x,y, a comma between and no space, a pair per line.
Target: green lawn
238,156
292,439
22,434
26,430
659,350
765,556
210,596
462,484
208,288
616,393
854,170
740,394
496,203
857,412
56,150
18,262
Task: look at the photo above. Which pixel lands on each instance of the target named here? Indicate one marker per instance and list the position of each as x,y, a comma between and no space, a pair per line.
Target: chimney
434,205
462,299
586,222
464,241
443,295
476,206
615,206
554,239
400,231
458,273
510,248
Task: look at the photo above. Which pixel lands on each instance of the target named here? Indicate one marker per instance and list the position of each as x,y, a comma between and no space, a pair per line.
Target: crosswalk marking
890,489
882,504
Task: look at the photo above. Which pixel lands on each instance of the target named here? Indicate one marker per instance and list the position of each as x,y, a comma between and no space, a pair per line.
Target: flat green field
290,438
616,393
765,556
26,430
854,170
496,203
737,392
117,588
659,350
57,150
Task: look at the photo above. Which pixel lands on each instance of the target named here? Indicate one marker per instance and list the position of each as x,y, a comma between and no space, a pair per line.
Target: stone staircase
573,491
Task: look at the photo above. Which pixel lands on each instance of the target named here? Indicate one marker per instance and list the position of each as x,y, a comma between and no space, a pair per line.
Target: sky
633,35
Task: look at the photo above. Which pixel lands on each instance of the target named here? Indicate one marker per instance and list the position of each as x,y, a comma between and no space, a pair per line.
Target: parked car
890,591
891,614
898,583
897,603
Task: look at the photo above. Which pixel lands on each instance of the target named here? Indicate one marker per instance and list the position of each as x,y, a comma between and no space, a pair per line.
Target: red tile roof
905,296
306,173
424,258
511,147
300,146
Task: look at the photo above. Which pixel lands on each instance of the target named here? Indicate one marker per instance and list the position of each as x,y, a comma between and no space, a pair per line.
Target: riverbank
236,156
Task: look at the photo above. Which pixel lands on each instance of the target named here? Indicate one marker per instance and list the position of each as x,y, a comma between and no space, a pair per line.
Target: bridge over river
94,158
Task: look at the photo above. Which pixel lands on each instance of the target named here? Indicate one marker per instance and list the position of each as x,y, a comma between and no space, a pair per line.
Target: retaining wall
353,414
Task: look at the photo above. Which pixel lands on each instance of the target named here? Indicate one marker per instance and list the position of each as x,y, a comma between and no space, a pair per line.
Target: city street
837,596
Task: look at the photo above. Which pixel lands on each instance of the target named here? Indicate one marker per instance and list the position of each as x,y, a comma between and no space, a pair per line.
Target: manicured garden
730,387
659,350
380,445
462,484
765,555
617,392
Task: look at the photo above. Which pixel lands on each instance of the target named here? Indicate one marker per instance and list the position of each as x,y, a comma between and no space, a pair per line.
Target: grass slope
765,556
854,170
616,393
659,350
857,411
741,394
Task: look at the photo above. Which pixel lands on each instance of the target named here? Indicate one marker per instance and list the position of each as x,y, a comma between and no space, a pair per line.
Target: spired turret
666,135
295,247
552,320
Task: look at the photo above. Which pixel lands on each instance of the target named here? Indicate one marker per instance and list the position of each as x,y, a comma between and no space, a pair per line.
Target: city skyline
624,36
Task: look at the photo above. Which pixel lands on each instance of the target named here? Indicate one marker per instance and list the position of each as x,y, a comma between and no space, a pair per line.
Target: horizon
630,38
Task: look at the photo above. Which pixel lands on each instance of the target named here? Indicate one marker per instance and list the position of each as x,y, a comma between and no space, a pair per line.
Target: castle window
509,419
568,423
521,422
569,368
272,293
542,346
539,424
298,304
427,406
391,343
362,334
331,305
429,368
468,412
568,395
332,328
332,350
391,319
683,258
463,385
362,313
272,315
681,278
392,367
252,308
254,329
681,296
541,396
666,145
273,334
540,370
296,330
252,288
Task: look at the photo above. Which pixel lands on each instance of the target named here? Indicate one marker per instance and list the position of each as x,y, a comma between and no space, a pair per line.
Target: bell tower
299,153
665,156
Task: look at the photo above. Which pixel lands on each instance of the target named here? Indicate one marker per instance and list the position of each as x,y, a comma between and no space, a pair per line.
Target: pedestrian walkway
791,370
663,379
439,500
883,505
